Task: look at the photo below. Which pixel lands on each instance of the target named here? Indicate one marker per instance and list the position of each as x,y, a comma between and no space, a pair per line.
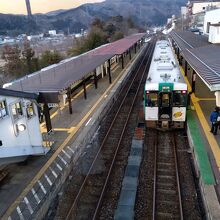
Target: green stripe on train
166,87
200,150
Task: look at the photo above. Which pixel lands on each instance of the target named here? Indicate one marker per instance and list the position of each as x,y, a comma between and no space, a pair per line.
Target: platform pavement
206,150
65,127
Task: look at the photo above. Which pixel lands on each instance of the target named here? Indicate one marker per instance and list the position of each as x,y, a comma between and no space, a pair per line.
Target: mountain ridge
143,13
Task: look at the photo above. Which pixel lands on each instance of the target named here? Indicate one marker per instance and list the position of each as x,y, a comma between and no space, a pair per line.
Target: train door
165,106
151,106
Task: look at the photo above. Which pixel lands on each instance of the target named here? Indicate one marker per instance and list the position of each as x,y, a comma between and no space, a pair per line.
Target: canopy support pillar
95,79
193,81
178,54
130,54
69,101
84,89
185,69
46,112
109,71
122,61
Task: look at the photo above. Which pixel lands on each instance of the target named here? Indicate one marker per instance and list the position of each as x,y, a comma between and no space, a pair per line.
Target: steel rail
177,177
103,142
155,177
121,136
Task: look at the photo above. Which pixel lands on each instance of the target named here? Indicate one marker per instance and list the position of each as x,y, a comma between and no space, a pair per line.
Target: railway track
90,195
167,202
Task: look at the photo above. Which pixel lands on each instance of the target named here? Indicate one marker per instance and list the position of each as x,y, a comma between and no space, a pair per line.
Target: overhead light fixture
21,127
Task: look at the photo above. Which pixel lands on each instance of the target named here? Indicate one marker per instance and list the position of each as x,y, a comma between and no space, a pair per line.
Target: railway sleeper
169,202
165,164
166,197
166,184
167,215
95,184
164,172
166,187
169,177
167,191
171,208
84,211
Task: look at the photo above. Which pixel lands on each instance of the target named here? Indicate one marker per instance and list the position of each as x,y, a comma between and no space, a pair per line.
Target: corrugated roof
120,46
189,40
8,92
206,62
60,76
203,56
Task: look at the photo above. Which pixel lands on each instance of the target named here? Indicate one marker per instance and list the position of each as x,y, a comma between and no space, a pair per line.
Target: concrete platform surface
129,183
206,149
66,128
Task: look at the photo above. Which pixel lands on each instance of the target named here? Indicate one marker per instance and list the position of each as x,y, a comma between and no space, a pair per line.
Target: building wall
14,143
214,34
201,6
211,16
201,89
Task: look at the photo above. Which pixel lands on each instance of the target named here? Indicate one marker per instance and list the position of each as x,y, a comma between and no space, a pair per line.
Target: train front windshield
179,98
151,99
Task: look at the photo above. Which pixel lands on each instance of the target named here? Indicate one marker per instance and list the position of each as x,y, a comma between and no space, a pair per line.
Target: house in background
212,25
20,134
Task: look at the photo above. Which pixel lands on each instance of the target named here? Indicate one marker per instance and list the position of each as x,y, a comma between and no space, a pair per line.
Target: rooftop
202,56
59,77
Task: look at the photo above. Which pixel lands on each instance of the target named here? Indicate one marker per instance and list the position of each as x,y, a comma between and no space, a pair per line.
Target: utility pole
28,5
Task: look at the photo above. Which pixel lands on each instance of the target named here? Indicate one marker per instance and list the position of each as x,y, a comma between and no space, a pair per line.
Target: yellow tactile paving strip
72,131
43,125
211,140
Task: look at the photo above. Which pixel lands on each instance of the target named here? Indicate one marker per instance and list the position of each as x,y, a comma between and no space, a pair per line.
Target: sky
42,6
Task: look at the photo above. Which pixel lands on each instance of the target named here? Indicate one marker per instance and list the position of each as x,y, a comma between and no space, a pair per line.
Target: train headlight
21,127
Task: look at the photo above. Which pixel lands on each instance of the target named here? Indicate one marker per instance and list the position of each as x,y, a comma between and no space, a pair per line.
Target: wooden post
185,69
193,81
84,88
46,112
109,71
122,61
95,79
178,54
130,53
69,100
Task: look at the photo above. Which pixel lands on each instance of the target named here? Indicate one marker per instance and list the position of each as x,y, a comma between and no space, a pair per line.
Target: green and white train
165,96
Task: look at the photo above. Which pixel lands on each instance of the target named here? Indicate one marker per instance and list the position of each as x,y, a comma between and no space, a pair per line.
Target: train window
165,100
30,110
3,109
179,99
151,99
16,110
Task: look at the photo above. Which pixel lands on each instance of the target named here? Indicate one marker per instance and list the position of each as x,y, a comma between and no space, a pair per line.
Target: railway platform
28,184
206,150
198,61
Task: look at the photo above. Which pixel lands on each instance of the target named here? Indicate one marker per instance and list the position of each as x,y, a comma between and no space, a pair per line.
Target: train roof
164,69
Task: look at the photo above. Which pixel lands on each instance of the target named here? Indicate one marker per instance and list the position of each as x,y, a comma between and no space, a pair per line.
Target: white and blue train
165,95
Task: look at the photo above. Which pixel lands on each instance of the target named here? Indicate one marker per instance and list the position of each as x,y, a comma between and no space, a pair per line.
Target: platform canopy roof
120,46
202,56
189,40
12,93
59,77
206,62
